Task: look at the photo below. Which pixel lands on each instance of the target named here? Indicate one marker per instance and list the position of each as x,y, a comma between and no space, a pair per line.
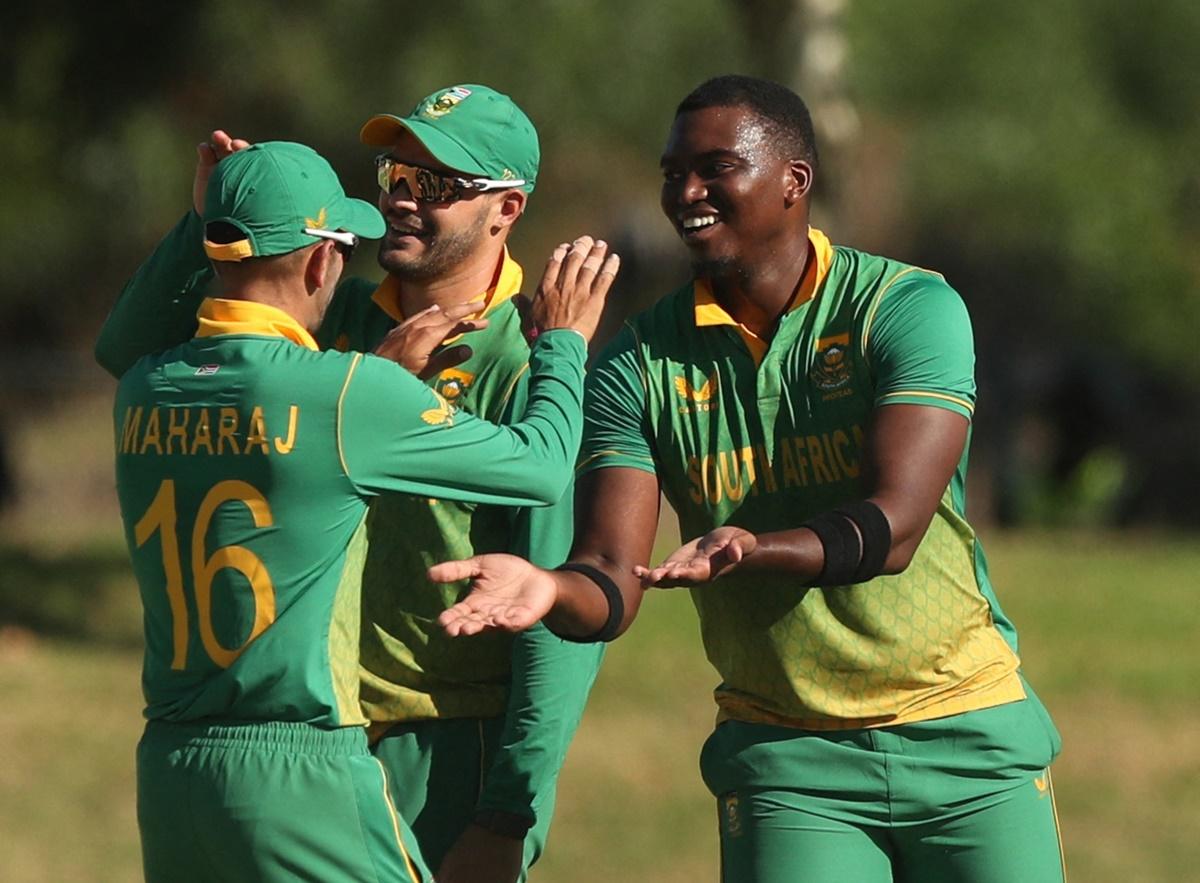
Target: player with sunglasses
472,734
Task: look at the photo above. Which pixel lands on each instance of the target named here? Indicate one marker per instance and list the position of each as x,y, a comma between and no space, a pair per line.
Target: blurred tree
1050,158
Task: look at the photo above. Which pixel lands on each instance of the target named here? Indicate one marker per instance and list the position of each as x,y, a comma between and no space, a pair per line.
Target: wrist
506,824
582,336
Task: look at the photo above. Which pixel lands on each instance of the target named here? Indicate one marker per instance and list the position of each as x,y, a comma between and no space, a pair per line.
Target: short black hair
783,113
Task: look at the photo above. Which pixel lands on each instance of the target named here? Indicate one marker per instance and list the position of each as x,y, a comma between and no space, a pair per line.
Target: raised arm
395,434
157,307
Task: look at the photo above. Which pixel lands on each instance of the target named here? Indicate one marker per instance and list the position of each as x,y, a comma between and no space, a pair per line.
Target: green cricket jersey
414,672
245,458
766,434
411,670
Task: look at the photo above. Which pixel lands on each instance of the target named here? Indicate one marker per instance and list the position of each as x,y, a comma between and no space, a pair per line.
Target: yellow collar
708,311
505,284
218,315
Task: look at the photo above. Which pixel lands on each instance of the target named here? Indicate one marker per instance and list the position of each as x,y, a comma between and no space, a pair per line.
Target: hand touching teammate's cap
282,196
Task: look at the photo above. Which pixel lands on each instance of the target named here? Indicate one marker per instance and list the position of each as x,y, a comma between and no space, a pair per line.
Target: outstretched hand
411,344
208,153
702,560
507,593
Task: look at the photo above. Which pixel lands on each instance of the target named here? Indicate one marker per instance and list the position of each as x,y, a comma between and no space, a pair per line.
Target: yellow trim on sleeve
920,393
218,315
229,251
869,321
341,401
512,385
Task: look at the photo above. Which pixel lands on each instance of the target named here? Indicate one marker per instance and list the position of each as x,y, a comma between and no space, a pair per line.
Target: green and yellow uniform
476,725
245,459
819,686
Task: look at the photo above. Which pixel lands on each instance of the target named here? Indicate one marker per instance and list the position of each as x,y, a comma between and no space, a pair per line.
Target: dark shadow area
82,595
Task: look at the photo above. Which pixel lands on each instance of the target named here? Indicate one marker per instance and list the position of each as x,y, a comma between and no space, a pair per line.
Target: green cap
282,196
470,128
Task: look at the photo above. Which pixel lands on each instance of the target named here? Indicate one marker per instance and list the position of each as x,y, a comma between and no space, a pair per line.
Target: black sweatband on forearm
612,594
876,535
843,549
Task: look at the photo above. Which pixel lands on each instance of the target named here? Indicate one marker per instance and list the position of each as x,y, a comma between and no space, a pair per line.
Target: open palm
507,593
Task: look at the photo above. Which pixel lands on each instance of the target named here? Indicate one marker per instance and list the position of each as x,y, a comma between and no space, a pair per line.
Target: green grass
1108,628
1108,623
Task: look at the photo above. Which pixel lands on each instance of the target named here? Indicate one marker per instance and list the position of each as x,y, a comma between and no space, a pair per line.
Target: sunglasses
343,241
426,185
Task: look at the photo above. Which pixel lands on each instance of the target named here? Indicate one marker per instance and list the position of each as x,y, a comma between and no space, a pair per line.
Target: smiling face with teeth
426,240
733,195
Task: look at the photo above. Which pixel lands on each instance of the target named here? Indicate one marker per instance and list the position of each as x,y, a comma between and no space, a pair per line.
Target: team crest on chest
697,398
830,372
452,384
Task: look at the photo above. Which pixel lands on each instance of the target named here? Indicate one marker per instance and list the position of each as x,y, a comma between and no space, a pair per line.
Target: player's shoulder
871,283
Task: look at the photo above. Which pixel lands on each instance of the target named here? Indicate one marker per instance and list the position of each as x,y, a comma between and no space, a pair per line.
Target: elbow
901,554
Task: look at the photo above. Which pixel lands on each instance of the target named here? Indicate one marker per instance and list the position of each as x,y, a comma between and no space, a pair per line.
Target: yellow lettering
751,476
285,447
768,469
731,476
129,430
816,458
695,492
227,429
203,434
710,479
859,436
801,460
791,478
256,433
178,430
152,433
829,458
849,465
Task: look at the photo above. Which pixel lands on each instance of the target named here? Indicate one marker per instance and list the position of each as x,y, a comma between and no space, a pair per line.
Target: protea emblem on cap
319,221
446,102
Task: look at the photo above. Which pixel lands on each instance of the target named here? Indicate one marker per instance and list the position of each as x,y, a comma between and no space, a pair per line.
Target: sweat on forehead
782,113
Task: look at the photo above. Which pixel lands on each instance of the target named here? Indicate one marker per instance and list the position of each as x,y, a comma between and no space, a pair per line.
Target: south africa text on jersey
798,461
162,430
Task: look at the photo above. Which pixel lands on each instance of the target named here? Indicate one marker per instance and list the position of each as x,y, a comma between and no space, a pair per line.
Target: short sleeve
919,345
615,422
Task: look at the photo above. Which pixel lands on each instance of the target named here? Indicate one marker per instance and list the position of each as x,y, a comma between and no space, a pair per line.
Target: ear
508,208
321,266
799,181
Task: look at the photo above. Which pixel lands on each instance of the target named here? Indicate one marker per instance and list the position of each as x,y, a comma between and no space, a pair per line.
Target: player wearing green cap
245,458
473,735
805,408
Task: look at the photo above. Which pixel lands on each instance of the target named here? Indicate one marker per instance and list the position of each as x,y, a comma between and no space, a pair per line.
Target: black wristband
876,535
843,549
506,824
612,594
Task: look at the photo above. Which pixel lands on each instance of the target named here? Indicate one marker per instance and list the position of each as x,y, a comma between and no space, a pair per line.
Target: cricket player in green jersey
806,409
472,735
245,459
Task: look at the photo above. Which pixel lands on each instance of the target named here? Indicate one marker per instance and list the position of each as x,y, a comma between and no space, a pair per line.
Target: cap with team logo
470,128
281,196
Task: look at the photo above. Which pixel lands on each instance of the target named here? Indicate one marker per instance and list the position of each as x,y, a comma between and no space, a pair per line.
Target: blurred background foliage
1040,153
